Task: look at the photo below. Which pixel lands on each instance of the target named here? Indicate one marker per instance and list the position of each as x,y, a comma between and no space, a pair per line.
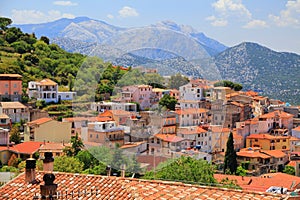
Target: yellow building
268,142
47,129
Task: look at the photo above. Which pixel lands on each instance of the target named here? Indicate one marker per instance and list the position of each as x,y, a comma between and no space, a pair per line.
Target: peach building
10,87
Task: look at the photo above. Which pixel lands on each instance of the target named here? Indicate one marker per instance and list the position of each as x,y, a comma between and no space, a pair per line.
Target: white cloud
231,7
255,24
109,16
65,3
35,16
217,21
127,11
290,16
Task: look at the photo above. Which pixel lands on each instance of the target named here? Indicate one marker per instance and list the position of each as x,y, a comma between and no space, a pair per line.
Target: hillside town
197,123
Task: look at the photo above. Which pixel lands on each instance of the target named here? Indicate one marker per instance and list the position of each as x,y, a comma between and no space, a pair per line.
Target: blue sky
272,23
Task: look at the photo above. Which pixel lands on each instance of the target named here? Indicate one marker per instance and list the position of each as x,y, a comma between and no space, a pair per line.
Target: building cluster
266,132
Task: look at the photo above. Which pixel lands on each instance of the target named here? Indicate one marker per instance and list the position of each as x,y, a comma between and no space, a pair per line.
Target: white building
103,106
191,92
47,90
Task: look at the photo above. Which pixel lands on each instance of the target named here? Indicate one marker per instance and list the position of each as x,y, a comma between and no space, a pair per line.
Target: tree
232,85
87,159
4,22
240,171
45,39
177,80
289,170
67,164
168,101
77,145
184,168
230,161
15,135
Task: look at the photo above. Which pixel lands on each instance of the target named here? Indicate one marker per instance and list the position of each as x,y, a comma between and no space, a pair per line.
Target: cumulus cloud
217,21
127,11
35,16
290,16
65,3
255,24
231,7
109,16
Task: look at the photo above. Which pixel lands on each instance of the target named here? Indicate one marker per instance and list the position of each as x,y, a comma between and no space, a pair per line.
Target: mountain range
173,48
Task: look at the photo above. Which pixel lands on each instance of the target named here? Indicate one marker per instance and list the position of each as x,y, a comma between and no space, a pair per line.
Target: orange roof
11,75
27,147
292,138
263,182
292,163
39,121
102,187
218,129
274,153
237,104
259,98
261,136
251,93
53,146
131,144
191,131
236,136
169,137
252,154
275,113
47,82
191,111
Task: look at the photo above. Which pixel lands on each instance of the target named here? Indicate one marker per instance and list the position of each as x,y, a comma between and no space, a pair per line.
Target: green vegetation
230,162
177,80
240,171
232,85
67,164
184,169
15,134
168,102
76,147
289,170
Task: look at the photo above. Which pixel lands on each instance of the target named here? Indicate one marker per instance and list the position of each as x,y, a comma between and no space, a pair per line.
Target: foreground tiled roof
103,187
263,182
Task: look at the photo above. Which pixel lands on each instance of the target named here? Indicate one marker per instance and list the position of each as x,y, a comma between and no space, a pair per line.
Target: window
6,85
284,140
256,140
278,140
16,93
283,147
15,85
3,121
91,135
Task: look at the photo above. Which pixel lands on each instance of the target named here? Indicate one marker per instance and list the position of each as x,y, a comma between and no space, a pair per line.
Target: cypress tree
230,161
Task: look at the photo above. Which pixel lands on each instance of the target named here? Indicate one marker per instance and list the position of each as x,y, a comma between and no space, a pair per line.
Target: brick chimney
30,170
49,189
48,162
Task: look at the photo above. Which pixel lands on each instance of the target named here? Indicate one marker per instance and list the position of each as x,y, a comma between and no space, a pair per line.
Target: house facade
141,94
10,87
47,129
16,111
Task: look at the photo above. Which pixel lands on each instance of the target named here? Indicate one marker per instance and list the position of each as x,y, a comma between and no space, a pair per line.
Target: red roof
278,113
39,121
86,187
27,147
191,111
263,182
169,137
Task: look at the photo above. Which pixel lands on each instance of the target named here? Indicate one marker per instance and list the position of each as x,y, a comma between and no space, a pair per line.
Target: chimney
123,167
108,170
30,170
48,162
49,189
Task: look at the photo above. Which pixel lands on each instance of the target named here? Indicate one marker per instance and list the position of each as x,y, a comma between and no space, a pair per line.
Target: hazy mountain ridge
173,48
260,68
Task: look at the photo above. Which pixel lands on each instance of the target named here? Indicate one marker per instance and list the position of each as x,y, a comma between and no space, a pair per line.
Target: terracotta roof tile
297,128
191,111
15,105
47,82
26,147
278,113
102,187
11,75
274,153
252,154
263,182
39,121
169,137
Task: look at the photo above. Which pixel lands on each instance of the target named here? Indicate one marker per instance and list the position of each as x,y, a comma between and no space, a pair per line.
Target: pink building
141,94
